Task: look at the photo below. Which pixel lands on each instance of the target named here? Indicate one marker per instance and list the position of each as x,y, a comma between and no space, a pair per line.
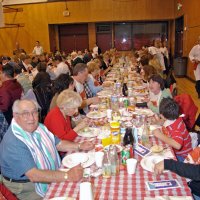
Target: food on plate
156,149
131,108
86,129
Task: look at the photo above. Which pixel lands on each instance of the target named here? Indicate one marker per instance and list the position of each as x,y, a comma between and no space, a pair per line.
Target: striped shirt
178,132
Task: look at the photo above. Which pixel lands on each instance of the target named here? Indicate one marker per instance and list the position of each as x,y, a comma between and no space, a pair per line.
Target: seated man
29,159
80,75
10,90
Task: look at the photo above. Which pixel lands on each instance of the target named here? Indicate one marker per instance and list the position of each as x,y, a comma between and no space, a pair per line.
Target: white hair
16,105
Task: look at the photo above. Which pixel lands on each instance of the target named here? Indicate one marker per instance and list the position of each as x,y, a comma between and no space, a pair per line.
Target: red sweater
188,108
59,126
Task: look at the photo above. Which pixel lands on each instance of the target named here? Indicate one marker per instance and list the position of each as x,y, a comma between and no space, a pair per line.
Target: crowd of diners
43,94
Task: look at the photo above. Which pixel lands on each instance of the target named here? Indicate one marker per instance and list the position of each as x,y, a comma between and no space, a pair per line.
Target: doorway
179,25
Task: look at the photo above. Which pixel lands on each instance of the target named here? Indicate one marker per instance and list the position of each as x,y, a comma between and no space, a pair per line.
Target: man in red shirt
10,90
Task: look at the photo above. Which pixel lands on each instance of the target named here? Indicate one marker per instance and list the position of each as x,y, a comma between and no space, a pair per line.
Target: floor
185,85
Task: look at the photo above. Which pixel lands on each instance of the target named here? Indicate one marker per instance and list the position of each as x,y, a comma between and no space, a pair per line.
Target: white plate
104,93
148,162
74,159
88,132
62,198
96,115
140,93
139,87
119,148
86,159
154,126
144,111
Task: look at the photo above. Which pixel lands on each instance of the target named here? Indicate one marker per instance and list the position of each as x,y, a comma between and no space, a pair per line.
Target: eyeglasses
27,114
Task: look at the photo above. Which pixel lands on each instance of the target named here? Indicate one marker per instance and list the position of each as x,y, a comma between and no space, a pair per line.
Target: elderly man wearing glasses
29,157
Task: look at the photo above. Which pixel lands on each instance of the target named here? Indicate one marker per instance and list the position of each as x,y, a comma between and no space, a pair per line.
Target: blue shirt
15,157
93,88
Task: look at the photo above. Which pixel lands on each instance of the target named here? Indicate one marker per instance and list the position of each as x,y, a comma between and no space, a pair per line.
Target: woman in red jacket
58,120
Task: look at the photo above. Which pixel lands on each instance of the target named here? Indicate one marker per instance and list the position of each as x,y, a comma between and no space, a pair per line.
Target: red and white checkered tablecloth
121,187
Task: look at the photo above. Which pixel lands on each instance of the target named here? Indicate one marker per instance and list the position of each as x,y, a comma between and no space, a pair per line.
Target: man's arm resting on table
49,176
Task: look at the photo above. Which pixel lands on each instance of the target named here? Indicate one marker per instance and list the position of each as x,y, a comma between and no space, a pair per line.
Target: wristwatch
66,176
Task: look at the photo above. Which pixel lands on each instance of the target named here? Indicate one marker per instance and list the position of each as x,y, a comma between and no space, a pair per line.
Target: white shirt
61,68
164,50
95,50
195,54
155,97
38,50
157,52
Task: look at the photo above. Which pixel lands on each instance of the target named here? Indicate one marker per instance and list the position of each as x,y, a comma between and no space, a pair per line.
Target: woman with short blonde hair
69,99
58,120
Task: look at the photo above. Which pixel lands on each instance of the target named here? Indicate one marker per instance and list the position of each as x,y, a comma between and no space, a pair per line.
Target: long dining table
123,186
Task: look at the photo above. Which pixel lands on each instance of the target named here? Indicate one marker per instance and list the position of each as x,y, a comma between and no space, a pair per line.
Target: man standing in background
194,56
38,49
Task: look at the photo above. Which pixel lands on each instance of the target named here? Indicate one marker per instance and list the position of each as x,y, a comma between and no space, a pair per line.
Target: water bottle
106,165
145,135
114,160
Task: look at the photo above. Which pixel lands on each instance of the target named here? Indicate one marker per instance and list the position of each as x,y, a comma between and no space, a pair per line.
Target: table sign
142,150
161,185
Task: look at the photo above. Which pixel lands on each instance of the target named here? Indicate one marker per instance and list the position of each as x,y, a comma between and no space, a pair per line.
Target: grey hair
16,105
69,99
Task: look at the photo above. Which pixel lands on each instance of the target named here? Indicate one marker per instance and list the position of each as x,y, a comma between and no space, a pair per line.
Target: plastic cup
86,191
131,164
109,113
99,158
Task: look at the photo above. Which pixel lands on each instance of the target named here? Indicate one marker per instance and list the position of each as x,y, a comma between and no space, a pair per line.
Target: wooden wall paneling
37,17
91,35
190,10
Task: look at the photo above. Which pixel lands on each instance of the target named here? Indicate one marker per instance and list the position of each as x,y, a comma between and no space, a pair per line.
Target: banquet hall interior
105,51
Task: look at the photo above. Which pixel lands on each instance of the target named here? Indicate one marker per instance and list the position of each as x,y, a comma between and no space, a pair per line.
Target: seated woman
146,72
157,92
42,78
93,70
63,82
58,120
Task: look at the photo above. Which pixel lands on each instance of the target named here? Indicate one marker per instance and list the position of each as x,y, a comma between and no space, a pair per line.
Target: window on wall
123,38
129,35
145,33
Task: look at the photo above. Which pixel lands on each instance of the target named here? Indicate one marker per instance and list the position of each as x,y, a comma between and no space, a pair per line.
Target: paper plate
104,93
156,149
96,115
88,132
139,87
86,159
74,159
144,111
140,93
148,162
